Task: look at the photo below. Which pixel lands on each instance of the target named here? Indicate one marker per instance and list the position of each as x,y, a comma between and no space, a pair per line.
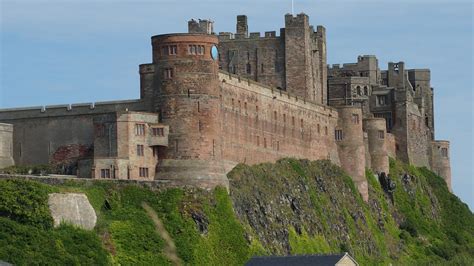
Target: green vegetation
292,206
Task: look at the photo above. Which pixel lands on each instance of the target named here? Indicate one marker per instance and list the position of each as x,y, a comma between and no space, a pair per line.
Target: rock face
72,208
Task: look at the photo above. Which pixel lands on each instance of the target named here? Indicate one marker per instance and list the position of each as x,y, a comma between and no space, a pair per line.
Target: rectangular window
164,50
326,130
143,172
155,151
338,134
173,49
381,134
319,128
275,115
196,49
293,121
140,150
168,73
249,69
444,152
140,129
382,100
158,131
264,142
355,119
284,118
261,69
105,173
258,140
301,122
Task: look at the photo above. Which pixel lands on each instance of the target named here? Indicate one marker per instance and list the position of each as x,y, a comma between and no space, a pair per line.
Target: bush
25,202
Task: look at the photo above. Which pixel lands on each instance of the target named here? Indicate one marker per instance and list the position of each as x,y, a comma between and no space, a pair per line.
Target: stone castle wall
261,124
6,145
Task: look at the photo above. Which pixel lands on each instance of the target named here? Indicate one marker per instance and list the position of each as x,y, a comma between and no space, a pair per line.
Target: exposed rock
73,208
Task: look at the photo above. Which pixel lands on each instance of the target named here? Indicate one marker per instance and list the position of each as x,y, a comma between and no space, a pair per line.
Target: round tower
186,95
350,141
440,161
376,133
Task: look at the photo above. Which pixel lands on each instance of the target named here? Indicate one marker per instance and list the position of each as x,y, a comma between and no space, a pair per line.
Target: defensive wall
6,145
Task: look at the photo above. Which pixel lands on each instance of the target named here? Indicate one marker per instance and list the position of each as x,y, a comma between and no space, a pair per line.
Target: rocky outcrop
73,208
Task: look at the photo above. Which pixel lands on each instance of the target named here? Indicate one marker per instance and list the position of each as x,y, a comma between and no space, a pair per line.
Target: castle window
240,107
293,121
355,119
319,128
232,104
258,140
196,49
173,49
358,90
326,131
245,107
140,150
275,115
382,99
168,73
143,172
301,122
105,173
366,90
278,145
261,68
249,69
169,50
381,134
444,152
158,131
264,142
155,151
284,118
338,134
199,107
140,129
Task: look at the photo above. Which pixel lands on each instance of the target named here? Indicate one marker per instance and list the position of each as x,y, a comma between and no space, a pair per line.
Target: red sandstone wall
268,134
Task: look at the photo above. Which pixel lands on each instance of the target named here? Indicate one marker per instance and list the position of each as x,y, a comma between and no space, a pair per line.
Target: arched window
366,90
358,90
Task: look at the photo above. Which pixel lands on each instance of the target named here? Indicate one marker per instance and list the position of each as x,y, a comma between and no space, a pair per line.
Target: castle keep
209,101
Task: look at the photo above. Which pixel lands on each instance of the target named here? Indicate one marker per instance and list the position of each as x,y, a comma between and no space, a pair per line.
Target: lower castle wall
6,145
52,139
262,125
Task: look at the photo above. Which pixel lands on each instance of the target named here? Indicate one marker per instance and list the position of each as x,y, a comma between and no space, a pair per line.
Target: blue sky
71,51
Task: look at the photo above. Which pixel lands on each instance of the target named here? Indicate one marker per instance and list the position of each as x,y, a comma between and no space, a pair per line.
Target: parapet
300,20
205,26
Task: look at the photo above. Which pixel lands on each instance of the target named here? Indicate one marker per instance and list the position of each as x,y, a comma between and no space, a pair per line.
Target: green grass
289,207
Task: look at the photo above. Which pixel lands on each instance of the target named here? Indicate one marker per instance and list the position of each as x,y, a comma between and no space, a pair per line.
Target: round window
214,53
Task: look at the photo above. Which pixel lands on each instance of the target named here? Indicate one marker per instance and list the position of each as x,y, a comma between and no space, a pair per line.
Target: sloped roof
298,260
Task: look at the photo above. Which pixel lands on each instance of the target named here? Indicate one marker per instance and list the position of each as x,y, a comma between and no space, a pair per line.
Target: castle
209,101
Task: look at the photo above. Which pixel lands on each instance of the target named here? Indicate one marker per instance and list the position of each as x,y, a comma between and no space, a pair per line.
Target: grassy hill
289,207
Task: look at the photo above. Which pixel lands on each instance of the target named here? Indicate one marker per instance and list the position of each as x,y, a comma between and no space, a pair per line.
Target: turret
377,134
350,141
440,161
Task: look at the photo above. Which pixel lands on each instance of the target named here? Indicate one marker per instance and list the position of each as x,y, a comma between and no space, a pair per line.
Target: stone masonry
208,102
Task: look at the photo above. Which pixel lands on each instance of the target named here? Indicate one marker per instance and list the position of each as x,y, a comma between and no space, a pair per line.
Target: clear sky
72,51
